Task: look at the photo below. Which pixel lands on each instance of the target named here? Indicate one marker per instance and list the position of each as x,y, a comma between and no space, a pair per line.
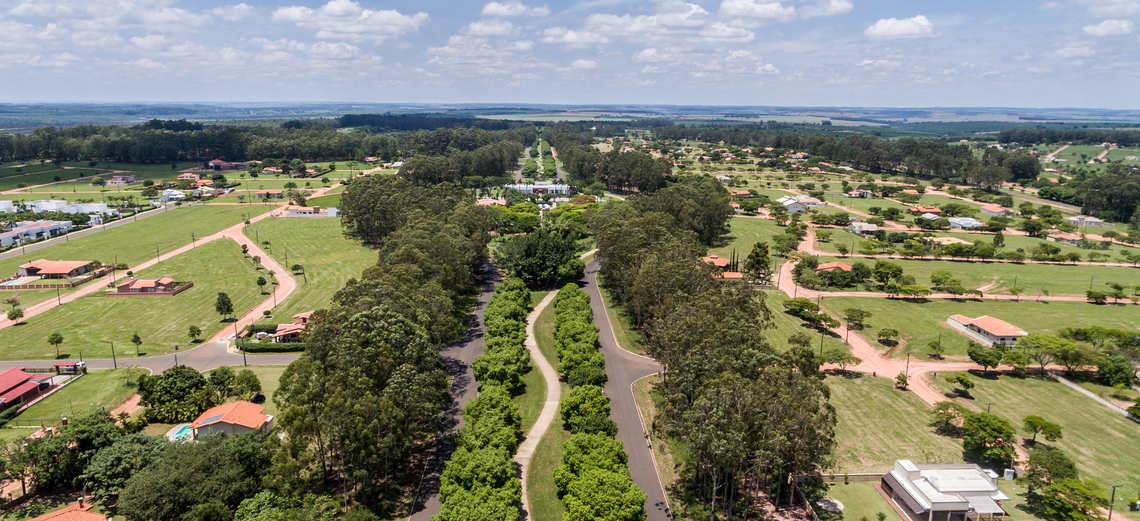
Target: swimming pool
184,432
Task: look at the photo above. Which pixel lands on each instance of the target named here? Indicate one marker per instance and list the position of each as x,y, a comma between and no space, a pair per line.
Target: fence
803,501
176,291
99,272
836,478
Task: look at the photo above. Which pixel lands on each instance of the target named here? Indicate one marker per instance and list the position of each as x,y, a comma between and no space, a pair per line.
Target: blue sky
889,53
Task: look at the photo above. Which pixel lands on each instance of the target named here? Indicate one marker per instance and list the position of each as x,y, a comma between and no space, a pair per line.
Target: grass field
1100,441
14,182
1058,279
787,325
136,242
321,248
921,322
98,389
543,494
879,424
744,233
861,204
90,324
860,501
326,201
270,377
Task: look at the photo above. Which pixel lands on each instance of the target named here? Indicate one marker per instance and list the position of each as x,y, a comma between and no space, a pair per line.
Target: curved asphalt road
209,355
622,369
457,358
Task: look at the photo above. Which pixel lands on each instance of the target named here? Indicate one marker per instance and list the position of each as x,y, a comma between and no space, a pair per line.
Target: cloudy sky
1068,53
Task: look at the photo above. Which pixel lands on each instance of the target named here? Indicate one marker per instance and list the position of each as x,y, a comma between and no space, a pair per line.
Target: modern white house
865,194
7,207
794,206
1081,220
930,217
996,210
29,230
171,195
310,211
965,223
541,187
723,178
987,330
944,492
47,205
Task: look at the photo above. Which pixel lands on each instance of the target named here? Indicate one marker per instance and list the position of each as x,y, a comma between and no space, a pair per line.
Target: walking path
549,408
623,368
457,358
1092,395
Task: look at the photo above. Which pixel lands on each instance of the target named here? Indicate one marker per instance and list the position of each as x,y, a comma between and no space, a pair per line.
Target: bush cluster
479,481
505,358
576,337
593,479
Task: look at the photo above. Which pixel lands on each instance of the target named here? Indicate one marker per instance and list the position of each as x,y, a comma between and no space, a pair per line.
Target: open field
544,502
14,182
326,201
106,389
90,324
861,204
321,248
745,232
1099,440
1058,279
879,424
860,501
134,167
786,325
1012,242
137,242
922,322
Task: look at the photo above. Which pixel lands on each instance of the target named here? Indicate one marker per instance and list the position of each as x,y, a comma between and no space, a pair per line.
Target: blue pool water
183,433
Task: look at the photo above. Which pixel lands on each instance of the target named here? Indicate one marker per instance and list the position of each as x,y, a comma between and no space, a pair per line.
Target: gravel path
549,407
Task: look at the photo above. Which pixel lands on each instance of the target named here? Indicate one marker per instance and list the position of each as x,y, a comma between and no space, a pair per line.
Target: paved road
458,358
75,235
209,355
622,369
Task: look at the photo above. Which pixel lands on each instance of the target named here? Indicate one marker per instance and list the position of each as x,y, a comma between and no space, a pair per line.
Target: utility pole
157,254
193,239
1112,501
988,407
57,299
113,359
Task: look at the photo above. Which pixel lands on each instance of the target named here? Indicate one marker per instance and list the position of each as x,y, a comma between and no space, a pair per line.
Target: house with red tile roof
76,512
716,261
987,330
18,386
302,318
232,419
1065,238
926,209
188,177
996,210
164,286
56,269
833,266
288,333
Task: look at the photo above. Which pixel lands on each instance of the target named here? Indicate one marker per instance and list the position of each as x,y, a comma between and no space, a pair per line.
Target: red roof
241,413
18,391
65,364
1065,236
716,261
15,377
62,267
991,325
288,329
302,316
926,209
76,512
994,208
148,283
832,266
732,275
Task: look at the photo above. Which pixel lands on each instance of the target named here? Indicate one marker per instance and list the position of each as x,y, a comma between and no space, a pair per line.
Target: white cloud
650,55
347,20
571,38
584,64
883,64
1075,51
1109,8
767,68
754,13
334,51
891,28
828,8
233,13
515,8
1109,28
468,55
1051,5
150,42
491,28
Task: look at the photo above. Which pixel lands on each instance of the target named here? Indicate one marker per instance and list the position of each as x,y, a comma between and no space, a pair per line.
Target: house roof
832,266
926,209
18,391
991,325
1065,236
76,512
288,329
806,200
994,208
716,261
241,413
148,283
61,267
304,315
732,275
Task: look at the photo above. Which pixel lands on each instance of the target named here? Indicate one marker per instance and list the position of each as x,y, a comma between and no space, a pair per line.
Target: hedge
593,478
273,347
479,480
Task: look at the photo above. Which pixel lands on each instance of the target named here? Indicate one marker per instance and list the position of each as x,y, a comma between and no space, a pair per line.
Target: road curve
623,368
458,358
550,405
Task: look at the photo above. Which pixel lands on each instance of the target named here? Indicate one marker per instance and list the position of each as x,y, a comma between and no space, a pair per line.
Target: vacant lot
745,232
98,389
320,247
90,324
1100,441
921,322
861,204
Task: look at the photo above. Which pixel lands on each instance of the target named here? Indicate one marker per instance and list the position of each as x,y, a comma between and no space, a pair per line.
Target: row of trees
479,481
593,478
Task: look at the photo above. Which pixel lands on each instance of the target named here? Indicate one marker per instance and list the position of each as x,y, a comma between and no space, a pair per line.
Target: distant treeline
1124,138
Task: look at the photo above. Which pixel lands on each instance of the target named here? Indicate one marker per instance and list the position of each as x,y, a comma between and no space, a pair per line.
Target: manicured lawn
1012,242
861,204
326,201
1100,441
319,245
787,325
270,377
543,494
137,242
627,336
879,424
744,233
90,324
1058,279
921,322
103,388
13,182
939,200
860,501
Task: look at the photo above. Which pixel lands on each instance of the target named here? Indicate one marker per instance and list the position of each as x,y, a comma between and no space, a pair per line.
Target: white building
723,178
1081,220
7,207
944,492
996,210
172,195
862,228
30,230
310,211
987,330
794,206
965,223
541,187
47,205
930,217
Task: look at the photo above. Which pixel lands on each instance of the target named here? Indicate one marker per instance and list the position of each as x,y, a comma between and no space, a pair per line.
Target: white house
541,187
47,205
1081,220
965,223
996,210
810,202
171,195
1065,238
862,228
944,492
310,211
7,207
930,217
987,330
865,194
232,419
723,178
794,206
28,230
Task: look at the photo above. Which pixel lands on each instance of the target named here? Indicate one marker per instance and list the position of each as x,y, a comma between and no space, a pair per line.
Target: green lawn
319,245
91,323
921,322
533,393
14,182
543,494
879,424
1012,242
787,325
106,389
622,322
326,201
137,242
1099,440
1058,279
860,501
861,204
270,377
743,234
939,200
